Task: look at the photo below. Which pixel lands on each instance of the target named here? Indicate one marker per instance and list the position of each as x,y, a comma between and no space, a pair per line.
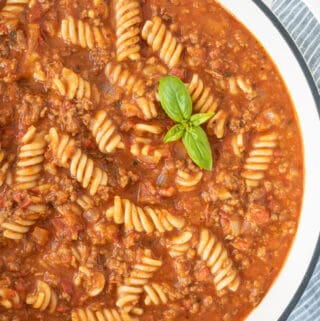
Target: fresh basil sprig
176,102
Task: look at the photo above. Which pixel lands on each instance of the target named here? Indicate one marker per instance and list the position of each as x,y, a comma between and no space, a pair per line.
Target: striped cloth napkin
304,28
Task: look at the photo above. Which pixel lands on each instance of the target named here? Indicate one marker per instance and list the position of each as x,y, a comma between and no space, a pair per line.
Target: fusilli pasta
129,293
30,159
9,14
81,33
147,153
202,97
17,229
180,244
188,181
152,129
159,38
85,202
157,294
104,131
5,174
217,124
216,257
147,108
128,19
72,86
259,159
124,79
81,167
88,314
236,85
92,281
9,298
237,143
142,220
44,298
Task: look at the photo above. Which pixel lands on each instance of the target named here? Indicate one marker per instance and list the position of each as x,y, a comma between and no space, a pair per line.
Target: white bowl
290,284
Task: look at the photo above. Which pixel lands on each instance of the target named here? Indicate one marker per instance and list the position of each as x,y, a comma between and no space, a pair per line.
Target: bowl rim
316,97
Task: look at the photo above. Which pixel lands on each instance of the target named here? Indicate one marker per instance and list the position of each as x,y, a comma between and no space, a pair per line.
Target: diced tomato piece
180,73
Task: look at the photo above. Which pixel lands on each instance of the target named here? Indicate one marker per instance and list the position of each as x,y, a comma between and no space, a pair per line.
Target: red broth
102,221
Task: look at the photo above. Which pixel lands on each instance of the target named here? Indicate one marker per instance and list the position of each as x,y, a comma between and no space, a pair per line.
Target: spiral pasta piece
216,257
81,33
147,128
104,131
17,229
187,181
142,220
259,159
81,167
85,202
159,38
9,298
147,108
88,314
30,159
72,86
129,293
237,143
124,79
44,298
9,14
5,174
92,281
239,84
157,294
180,244
217,124
147,153
128,20
202,97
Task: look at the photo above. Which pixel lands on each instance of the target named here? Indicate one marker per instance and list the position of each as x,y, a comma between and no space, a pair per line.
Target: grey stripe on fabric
305,31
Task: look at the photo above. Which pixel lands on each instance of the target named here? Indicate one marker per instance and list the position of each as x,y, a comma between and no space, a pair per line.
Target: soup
100,219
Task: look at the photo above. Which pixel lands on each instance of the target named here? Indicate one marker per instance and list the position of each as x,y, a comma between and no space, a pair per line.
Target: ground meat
30,109
8,70
126,177
102,233
131,239
258,214
59,256
67,118
201,272
183,271
4,48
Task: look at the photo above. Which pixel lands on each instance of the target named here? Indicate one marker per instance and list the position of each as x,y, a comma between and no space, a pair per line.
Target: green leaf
199,119
198,147
175,99
175,133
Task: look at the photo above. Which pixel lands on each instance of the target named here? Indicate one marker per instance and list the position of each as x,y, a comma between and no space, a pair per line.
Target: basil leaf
176,132
175,99
199,119
198,147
